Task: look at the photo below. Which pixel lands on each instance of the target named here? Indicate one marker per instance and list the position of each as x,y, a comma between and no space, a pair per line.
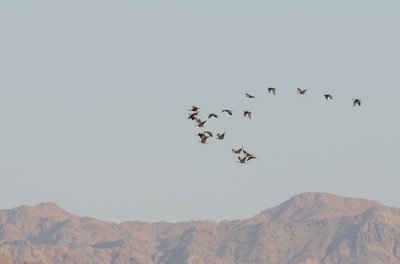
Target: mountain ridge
308,228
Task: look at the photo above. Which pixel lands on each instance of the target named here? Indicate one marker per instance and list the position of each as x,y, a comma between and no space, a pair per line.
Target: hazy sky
94,98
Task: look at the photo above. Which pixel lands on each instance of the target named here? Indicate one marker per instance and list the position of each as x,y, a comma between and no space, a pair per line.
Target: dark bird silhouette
193,115
227,111
200,123
194,108
300,91
328,96
212,115
203,140
272,90
247,113
220,136
250,96
242,160
209,133
356,102
237,151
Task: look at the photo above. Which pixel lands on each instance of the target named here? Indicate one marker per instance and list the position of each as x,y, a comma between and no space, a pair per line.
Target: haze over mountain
309,228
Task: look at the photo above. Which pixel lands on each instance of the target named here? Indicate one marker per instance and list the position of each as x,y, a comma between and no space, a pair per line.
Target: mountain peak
48,210
316,206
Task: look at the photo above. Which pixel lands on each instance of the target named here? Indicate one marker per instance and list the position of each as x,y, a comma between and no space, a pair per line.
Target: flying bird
328,96
220,136
250,96
356,102
245,158
212,115
237,151
247,113
300,91
194,108
272,90
242,160
193,115
203,140
200,123
227,111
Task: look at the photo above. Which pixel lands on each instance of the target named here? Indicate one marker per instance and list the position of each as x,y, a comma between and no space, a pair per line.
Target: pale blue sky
94,98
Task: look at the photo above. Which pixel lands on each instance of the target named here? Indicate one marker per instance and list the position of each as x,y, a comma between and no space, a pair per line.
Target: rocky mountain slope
310,228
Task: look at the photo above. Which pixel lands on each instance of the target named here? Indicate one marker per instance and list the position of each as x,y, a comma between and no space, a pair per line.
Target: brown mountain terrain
310,228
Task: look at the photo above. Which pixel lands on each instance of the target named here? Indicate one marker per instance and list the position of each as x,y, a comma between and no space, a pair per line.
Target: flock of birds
243,156
193,115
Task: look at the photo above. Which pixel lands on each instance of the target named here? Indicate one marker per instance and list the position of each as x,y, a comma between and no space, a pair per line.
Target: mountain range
309,228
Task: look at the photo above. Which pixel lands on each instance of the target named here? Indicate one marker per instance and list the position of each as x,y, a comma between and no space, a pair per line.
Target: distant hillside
310,228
